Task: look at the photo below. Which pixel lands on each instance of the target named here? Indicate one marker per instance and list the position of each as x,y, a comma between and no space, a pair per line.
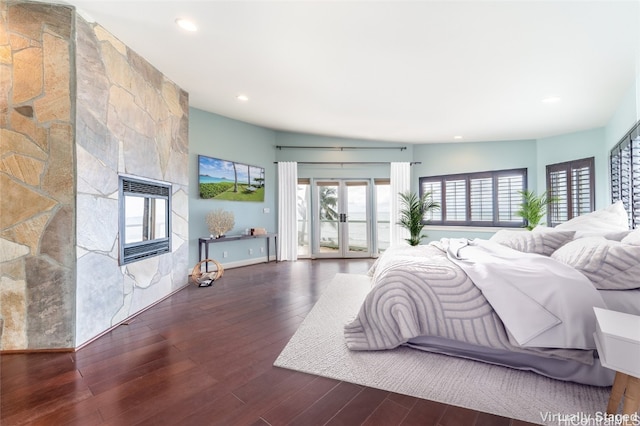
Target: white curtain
287,210
400,182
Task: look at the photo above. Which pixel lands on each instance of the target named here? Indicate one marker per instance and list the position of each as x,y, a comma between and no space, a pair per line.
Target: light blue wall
627,114
575,146
221,137
332,155
451,158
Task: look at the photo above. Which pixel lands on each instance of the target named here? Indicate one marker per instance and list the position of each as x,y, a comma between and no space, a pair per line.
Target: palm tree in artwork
235,175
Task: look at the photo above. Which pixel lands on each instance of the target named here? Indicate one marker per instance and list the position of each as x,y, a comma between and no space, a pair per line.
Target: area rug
318,348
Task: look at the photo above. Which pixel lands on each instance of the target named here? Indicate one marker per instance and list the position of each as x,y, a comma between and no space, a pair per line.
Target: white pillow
612,219
610,265
543,243
632,238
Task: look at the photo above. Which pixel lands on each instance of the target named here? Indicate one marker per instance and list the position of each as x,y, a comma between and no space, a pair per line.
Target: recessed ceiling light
457,137
551,99
186,24
242,98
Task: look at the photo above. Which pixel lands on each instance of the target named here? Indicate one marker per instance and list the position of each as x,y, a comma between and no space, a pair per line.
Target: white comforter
542,303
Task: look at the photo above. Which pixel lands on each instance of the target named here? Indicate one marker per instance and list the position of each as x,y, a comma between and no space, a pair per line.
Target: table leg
206,256
617,391
268,246
631,399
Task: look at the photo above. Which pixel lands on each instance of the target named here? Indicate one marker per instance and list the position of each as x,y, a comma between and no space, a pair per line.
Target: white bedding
419,291
543,303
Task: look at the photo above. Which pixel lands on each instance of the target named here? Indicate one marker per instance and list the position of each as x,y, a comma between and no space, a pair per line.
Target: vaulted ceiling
403,71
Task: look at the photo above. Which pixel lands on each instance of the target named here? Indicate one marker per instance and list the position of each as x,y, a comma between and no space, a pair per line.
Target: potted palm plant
533,207
412,214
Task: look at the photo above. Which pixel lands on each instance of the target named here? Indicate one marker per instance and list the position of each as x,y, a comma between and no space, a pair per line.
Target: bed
521,299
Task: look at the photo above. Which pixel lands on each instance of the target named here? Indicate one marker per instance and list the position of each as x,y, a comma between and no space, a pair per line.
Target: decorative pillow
543,243
632,238
610,265
612,219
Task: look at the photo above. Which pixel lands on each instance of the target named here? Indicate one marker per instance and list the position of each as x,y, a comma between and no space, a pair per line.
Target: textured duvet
419,291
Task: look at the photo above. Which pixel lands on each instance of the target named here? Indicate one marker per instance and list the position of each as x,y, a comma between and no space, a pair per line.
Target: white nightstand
618,341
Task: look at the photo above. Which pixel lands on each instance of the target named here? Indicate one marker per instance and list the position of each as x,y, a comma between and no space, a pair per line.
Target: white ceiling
410,72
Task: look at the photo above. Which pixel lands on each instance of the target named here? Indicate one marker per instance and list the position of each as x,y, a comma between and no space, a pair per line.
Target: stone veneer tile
118,70
94,136
18,42
13,312
93,85
5,81
5,54
28,18
50,307
141,157
123,109
104,35
26,169
99,295
56,102
28,232
97,223
58,239
94,177
180,143
19,202
148,72
10,250
28,127
13,269
28,79
144,272
21,144
176,166
172,96
59,179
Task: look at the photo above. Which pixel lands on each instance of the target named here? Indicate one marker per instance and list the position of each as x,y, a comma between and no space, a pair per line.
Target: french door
341,218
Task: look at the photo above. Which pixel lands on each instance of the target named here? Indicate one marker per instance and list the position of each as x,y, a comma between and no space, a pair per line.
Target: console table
203,243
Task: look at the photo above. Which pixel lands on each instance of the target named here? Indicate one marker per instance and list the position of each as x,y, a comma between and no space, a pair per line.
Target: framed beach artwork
227,180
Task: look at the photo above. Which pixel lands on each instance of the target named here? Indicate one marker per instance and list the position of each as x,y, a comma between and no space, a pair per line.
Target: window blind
571,184
624,160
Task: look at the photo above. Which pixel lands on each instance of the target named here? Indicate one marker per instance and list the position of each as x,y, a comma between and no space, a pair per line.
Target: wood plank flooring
204,357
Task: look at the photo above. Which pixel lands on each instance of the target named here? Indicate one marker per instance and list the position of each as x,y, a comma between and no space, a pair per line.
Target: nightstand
618,341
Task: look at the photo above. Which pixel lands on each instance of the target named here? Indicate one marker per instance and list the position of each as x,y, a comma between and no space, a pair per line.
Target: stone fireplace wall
130,119
37,185
80,108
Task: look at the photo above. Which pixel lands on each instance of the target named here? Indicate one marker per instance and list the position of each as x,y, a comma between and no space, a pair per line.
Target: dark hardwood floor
204,357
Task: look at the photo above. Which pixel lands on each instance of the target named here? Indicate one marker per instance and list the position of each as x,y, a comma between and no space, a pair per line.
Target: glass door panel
356,227
328,208
342,215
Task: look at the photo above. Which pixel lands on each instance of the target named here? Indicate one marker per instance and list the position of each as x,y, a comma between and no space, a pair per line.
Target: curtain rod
349,162
340,148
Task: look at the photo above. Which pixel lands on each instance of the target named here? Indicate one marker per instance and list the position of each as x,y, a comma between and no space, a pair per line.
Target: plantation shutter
510,187
625,174
435,189
456,200
572,185
481,199
489,198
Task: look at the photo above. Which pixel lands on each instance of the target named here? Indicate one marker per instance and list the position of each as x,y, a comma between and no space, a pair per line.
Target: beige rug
318,348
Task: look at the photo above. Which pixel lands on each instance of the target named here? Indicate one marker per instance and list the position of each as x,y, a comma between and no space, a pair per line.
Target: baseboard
246,262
